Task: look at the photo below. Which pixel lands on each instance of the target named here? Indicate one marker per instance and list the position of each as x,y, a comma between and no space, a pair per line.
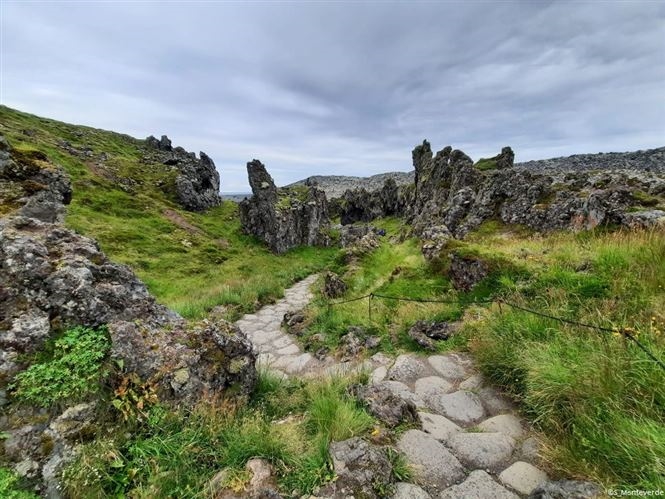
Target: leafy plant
9,486
133,398
72,371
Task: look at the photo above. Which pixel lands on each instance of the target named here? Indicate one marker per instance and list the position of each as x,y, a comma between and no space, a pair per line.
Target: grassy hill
192,262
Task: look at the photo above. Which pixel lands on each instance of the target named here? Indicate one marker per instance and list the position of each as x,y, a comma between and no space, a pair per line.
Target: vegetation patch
73,371
176,454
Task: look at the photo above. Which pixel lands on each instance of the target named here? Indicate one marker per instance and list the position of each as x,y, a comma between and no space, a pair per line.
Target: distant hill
335,185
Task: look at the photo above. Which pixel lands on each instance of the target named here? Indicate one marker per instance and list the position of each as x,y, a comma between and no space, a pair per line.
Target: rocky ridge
53,279
452,192
649,160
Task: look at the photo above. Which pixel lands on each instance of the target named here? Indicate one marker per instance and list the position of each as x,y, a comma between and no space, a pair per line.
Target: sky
344,87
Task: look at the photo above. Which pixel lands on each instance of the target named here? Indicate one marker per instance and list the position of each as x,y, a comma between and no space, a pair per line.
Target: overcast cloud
344,88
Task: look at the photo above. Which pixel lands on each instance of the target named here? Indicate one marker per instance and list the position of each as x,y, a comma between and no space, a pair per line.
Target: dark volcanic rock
423,332
387,407
197,183
359,205
283,218
466,272
362,469
567,489
333,285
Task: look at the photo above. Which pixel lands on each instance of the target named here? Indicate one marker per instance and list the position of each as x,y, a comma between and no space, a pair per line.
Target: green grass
600,400
192,262
289,423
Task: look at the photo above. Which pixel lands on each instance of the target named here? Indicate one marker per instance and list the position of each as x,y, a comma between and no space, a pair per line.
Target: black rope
624,331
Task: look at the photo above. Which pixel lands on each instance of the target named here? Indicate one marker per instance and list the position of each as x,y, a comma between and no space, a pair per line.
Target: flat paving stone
282,341
298,363
432,386
531,449
449,367
438,426
478,485
434,466
288,350
403,391
462,407
409,491
508,424
482,450
493,401
379,374
472,382
522,477
407,368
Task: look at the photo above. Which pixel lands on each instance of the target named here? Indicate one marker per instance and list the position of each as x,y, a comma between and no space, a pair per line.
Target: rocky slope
53,279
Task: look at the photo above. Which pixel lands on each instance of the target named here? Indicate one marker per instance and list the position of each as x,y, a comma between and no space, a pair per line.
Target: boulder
362,470
32,186
386,406
333,285
53,279
466,272
424,332
284,218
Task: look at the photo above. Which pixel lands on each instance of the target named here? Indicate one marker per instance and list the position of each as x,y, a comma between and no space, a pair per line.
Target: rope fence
626,332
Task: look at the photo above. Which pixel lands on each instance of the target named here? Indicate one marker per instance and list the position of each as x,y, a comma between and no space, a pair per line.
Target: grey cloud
349,87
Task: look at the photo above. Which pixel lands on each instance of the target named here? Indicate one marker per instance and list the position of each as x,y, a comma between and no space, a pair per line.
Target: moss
644,199
484,164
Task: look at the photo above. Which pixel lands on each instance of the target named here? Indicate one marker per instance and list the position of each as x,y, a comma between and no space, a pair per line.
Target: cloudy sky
344,87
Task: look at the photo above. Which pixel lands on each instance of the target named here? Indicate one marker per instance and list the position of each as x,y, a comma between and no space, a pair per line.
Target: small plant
134,398
401,470
9,486
73,371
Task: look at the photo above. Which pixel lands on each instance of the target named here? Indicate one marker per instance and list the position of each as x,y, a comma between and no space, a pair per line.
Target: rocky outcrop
283,218
197,181
451,191
53,279
32,186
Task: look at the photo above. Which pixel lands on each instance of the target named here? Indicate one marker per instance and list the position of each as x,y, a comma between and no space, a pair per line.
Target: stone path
472,443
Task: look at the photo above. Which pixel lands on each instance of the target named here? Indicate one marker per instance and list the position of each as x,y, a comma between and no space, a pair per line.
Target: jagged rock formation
197,183
283,218
450,190
53,279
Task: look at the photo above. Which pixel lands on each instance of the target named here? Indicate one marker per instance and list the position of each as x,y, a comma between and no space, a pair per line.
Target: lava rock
386,406
333,285
284,218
